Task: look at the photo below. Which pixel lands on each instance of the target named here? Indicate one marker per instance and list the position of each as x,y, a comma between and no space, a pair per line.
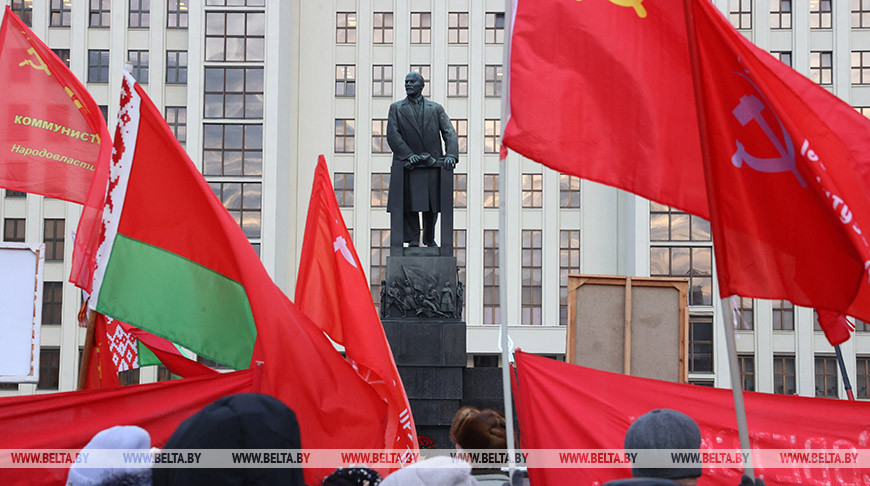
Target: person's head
437,471
353,476
478,429
664,428
118,437
242,421
414,84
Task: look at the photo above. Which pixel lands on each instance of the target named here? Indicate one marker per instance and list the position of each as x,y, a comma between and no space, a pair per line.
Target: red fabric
602,93
788,176
332,289
168,354
37,88
102,372
837,329
563,406
69,420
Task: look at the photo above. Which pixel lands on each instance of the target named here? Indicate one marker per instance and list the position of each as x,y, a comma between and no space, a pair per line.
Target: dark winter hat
663,428
353,476
242,421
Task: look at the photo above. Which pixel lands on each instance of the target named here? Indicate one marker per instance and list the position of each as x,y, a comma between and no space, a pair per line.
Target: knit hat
437,471
353,476
242,421
118,437
663,428
475,429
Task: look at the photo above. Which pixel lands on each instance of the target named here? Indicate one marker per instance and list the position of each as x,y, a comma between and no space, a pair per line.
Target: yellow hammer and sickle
637,5
40,67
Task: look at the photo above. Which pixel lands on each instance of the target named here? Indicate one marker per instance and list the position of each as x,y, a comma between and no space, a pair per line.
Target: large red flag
564,406
604,92
333,291
53,139
788,175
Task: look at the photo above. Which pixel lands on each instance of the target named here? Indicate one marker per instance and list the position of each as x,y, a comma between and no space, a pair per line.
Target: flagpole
730,318
846,384
85,363
502,253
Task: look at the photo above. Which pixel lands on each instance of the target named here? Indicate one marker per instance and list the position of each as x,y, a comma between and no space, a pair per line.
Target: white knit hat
438,471
118,437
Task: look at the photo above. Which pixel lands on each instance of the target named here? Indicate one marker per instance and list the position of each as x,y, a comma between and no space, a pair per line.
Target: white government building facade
256,89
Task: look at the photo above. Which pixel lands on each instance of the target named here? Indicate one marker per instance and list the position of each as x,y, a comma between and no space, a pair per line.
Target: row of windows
420,27
821,14
52,233
825,370
98,65
99,13
345,135
382,80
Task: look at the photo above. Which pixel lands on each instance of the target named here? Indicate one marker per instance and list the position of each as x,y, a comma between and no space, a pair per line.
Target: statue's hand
450,161
413,161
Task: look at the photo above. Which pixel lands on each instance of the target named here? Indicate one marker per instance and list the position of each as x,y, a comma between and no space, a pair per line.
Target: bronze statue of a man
415,129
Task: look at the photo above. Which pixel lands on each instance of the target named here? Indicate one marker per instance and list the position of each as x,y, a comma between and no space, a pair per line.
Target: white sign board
21,267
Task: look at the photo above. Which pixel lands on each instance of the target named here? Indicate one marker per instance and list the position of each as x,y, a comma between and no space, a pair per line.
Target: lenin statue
415,129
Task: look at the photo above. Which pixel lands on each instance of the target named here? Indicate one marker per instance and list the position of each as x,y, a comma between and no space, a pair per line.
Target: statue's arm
394,138
451,142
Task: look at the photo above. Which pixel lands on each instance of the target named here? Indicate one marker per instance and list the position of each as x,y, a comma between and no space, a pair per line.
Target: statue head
414,84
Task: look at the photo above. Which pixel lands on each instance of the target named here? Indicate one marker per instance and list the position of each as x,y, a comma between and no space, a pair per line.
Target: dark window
486,360
494,33
669,224
140,65
176,67
24,10
63,55
49,369
822,67
747,372
694,263
344,136
493,75
53,233
232,150
52,303
176,14
569,191
380,250
343,182
233,92
235,36
491,303
345,80
569,262
784,382
457,80
533,190
60,13
701,344
862,373
140,14
783,315
98,66
460,190
176,118
461,126
243,201
100,13
826,377
460,252
380,189
129,377
13,194
379,136
13,230
747,313
490,190
783,56
532,276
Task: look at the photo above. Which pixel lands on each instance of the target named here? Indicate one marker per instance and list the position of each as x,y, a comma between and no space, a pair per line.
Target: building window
383,28
457,28
140,65
163,373
345,80
232,150
49,369
379,136
861,326
176,118
343,184
491,303
493,76
129,377
344,135
460,190
820,14
694,263
13,194
862,375
700,344
100,13
345,28
783,315
61,13
669,224
380,249
421,27
13,229
461,126
380,189
494,33
242,200
747,372
864,110
741,14
490,190
491,136
533,190
569,262
235,36
63,55
98,66
780,14
457,80
822,67
860,14
140,14
784,382
233,92
746,314
52,236
382,80
235,3
24,10
783,56
569,191
860,67
826,377
104,110
52,303
422,70
532,276
176,14
176,67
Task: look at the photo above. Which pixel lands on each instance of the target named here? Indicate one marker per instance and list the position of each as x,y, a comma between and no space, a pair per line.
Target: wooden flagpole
91,317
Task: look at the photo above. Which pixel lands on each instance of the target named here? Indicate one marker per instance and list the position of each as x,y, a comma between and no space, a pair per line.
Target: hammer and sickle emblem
637,5
40,67
749,109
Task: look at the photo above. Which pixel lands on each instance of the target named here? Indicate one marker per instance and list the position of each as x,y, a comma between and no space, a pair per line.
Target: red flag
102,371
168,354
53,140
788,175
563,406
837,329
333,291
604,92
